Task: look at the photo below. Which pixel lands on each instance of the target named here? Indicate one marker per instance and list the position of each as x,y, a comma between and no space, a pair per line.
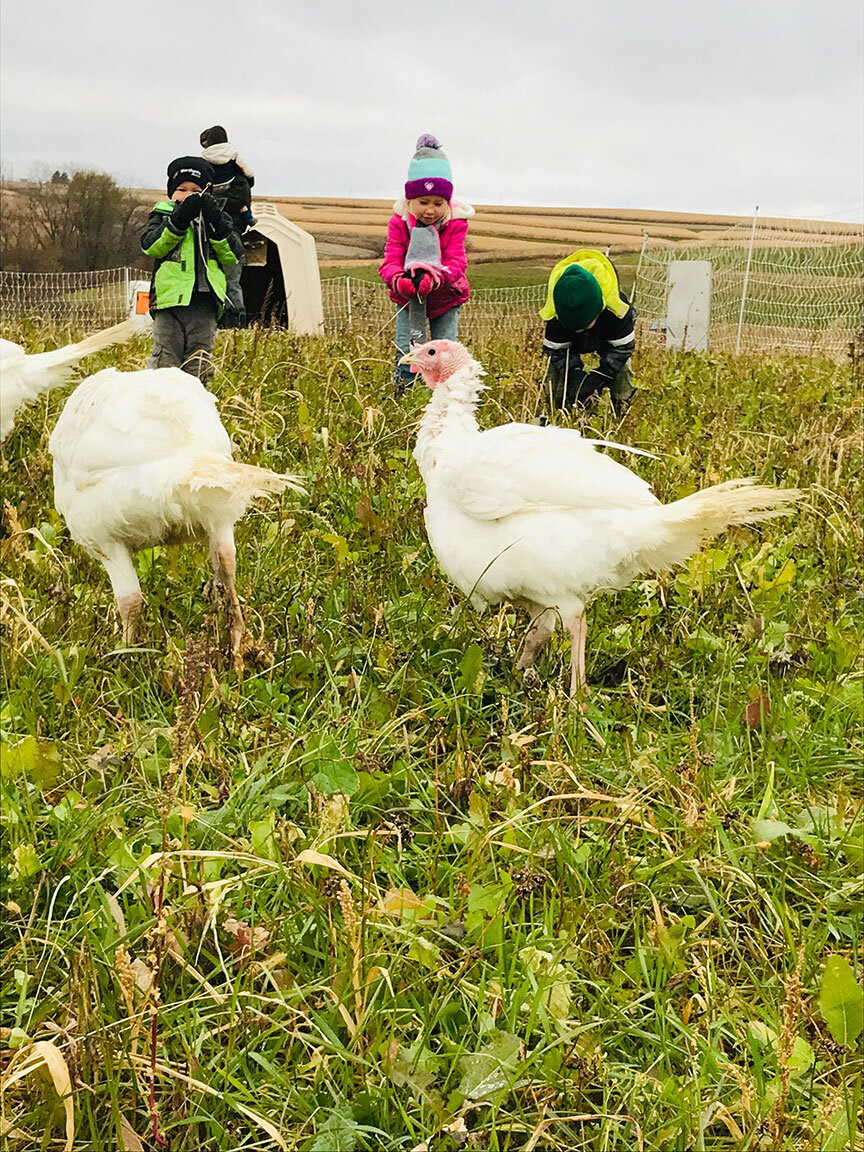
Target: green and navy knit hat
429,172
578,298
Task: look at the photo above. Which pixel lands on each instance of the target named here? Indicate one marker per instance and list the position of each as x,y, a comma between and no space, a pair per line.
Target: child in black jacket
232,186
586,312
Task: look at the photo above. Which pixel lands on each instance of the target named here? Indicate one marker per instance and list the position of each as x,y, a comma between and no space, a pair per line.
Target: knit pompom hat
191,168
578,298
429,172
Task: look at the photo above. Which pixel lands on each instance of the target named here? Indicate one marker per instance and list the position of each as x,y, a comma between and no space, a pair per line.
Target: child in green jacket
191,241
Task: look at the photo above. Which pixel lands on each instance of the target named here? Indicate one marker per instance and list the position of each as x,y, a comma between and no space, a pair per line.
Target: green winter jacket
180,261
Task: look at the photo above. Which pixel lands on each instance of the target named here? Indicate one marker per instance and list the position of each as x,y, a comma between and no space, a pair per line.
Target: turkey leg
535,640
578,632
127,591
224,561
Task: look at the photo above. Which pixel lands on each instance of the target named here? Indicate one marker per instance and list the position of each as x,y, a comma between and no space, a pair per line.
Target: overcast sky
666,105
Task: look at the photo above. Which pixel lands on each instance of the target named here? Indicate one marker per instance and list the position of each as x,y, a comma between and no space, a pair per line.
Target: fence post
348,294
128,301
639,264
746,280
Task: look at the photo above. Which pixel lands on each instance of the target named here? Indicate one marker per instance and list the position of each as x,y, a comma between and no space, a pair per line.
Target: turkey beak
408,358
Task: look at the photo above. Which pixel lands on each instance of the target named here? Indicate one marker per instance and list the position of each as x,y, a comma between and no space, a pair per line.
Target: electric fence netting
365,304
77,299
775,286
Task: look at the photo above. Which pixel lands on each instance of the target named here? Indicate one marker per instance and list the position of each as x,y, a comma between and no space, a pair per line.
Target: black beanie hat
214,135
192,168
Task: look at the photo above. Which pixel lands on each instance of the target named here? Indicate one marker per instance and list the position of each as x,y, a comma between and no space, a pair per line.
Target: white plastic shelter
281,281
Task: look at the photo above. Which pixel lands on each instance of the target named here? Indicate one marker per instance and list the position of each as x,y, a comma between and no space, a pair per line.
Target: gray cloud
672,105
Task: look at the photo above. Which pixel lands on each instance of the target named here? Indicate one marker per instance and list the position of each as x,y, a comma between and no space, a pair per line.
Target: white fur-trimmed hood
224,154
458,210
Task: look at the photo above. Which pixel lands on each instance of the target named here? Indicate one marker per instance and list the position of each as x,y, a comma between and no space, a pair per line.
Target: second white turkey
142,458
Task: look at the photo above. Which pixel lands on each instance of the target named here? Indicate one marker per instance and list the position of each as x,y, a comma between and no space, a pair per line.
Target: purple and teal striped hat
429,172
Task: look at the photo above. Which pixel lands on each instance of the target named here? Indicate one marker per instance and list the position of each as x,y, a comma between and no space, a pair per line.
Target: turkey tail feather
686,524
735,502
246,480
71,353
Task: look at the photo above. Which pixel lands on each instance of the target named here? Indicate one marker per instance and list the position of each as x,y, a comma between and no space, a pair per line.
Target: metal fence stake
746,279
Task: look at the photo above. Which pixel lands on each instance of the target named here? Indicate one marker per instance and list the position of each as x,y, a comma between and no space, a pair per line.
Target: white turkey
24,377
142,458
539,517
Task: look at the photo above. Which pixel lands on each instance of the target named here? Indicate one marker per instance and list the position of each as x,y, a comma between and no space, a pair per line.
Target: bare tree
71,225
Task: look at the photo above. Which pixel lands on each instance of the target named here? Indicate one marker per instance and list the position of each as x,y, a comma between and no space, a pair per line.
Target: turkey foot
251,654
129,608
127,590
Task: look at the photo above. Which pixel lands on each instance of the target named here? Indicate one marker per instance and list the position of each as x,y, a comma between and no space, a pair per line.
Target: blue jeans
444,327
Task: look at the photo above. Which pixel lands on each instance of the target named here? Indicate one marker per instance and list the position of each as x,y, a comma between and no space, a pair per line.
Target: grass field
377,894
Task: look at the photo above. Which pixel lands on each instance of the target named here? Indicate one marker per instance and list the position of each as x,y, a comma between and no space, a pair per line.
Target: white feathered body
23,377
538,515
142,458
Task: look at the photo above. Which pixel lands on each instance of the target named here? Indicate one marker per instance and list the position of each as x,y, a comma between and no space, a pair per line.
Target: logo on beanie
429,185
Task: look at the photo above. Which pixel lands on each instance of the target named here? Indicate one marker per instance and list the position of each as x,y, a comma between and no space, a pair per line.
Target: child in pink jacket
438,278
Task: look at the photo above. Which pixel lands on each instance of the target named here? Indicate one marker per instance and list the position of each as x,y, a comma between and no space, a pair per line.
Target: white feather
25,377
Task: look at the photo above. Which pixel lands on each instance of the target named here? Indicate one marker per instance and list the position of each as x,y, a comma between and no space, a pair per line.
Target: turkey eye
431,351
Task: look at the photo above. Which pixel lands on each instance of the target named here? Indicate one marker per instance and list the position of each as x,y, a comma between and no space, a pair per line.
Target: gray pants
184,338
234,289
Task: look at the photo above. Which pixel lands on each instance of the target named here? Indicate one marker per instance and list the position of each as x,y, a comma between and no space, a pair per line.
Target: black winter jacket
233,189
611,337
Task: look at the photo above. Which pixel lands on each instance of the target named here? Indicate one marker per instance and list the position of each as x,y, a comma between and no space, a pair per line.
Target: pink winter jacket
454,288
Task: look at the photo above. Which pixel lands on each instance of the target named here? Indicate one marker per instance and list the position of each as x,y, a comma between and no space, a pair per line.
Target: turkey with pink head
539,517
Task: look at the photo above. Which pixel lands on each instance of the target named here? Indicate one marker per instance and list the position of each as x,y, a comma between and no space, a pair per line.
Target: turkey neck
449,414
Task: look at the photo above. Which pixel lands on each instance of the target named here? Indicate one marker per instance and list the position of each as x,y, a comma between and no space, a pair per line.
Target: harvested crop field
504,232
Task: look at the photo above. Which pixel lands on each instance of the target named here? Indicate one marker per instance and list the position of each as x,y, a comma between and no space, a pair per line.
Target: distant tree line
70,223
